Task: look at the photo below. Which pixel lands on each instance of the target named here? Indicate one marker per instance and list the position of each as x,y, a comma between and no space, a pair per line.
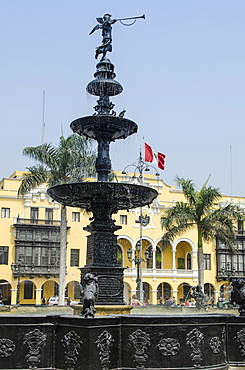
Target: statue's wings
100,20
97,27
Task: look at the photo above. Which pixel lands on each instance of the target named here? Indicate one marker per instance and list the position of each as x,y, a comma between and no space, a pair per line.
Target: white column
38,296
14,296
173,255
154,296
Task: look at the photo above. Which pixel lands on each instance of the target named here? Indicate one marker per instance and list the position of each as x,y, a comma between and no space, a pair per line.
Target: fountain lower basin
117,196
122,342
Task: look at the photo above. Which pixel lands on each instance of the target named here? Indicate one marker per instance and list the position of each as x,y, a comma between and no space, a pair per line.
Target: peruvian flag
151,156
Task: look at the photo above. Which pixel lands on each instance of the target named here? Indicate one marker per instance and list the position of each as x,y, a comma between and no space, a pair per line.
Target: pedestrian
135,301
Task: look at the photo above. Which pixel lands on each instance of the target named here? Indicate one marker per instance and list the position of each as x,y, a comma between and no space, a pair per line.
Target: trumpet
124,19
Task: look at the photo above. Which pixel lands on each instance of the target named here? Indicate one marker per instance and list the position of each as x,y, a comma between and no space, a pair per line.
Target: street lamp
17,270
138,261
226,270
139,167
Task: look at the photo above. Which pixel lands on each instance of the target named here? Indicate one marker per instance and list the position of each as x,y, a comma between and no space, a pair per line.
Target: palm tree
201,211
72,160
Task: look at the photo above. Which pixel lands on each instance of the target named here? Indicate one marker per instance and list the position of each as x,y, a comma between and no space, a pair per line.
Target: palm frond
73,160
35,176
205,200
180,214
45,153
188,188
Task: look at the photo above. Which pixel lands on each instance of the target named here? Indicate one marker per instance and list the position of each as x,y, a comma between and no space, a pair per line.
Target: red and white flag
151,156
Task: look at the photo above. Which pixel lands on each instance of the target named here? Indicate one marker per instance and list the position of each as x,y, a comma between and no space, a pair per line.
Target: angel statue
105,24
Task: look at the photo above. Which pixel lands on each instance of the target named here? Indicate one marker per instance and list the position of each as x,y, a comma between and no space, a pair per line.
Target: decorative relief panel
240,338
139,340
7,347
195,340
104,343
35,340
72,343
168,346
215,344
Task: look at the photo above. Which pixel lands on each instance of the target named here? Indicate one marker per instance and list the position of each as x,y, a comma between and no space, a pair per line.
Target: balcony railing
33,221
171,273
33,270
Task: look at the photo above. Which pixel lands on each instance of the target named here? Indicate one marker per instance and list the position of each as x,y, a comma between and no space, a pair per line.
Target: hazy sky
182,70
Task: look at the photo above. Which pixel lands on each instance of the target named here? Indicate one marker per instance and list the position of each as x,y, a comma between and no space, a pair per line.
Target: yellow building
29,248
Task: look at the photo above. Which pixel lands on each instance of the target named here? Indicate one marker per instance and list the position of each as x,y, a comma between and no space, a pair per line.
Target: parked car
53,301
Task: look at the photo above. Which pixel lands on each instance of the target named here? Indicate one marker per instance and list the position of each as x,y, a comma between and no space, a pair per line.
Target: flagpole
231,174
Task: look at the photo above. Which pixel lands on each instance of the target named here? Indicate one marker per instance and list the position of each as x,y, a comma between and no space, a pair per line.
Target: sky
182,70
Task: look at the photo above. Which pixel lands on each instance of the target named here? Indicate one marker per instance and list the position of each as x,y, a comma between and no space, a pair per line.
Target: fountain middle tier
104,127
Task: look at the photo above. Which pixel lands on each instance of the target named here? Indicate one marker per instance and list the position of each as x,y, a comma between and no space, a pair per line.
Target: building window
181,263
188,261
240,226
149,262
77,290
4,252
76,216
119,255
5,212
28,290
48,216
158,258
207,261
34,215
74,257
123,219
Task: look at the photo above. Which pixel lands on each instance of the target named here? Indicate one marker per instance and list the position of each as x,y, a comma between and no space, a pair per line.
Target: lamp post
17,270
139,167
138,261
226,270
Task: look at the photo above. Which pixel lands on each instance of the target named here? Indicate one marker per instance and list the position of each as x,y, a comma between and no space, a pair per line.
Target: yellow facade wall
128,236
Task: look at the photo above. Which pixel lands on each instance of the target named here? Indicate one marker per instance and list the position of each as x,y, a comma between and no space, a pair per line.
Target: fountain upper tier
104,83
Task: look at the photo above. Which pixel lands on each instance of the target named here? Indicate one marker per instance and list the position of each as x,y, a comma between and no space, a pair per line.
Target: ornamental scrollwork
139,340
240,338
7,347
104,343
168,346
195,340
72,343
215,345
35,340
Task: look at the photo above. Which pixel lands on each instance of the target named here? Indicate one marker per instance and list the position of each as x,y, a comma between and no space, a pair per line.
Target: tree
201,211
72,160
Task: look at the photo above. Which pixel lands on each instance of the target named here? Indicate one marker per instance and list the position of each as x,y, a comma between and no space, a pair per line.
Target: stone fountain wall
122,342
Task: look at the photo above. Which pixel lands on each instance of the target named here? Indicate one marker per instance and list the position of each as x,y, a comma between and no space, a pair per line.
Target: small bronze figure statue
105,23
238,294
89,293
200,297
